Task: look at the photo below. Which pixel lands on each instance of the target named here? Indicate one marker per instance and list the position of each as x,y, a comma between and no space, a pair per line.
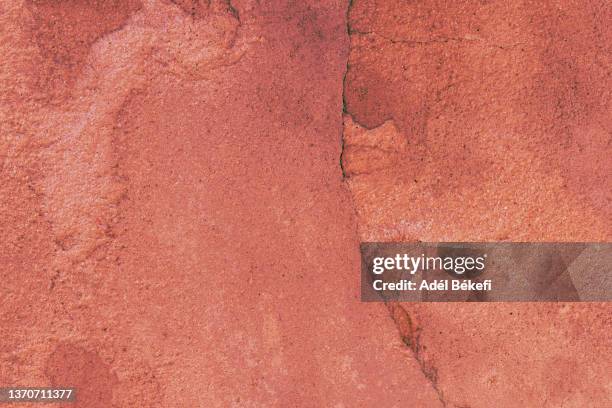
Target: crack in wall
410,333
346,69
408,330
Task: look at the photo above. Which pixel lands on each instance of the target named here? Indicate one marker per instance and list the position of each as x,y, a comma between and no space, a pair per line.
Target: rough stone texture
487,121
176,231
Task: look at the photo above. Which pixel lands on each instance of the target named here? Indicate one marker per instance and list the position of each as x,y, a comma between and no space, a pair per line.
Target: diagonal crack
410,333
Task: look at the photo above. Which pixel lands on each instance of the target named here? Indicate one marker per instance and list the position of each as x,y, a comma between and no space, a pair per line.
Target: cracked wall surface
177,231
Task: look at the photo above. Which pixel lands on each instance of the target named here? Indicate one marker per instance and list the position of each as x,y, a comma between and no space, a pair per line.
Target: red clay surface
177,230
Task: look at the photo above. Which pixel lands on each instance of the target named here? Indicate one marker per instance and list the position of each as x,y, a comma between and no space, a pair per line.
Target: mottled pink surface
178,231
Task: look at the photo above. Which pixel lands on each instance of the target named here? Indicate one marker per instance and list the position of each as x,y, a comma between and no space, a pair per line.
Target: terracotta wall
185,185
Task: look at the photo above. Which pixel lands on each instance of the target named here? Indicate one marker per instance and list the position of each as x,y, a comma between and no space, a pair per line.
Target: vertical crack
344,109
406,326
